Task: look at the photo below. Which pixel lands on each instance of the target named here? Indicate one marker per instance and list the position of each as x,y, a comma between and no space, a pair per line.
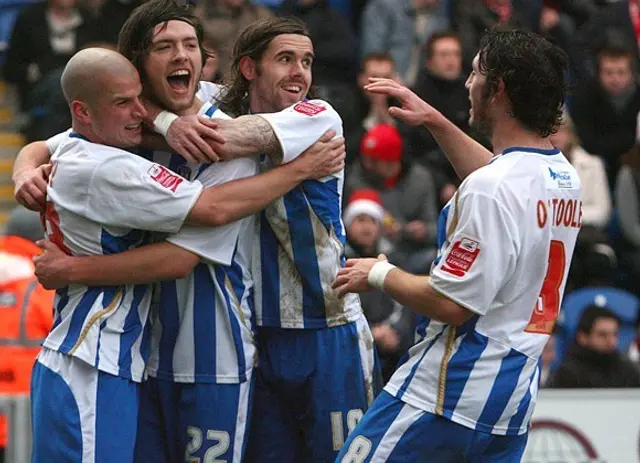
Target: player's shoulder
208,91
315,107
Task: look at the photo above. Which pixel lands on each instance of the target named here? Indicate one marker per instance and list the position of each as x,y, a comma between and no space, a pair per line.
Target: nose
139,110
181,53
467,83
297,69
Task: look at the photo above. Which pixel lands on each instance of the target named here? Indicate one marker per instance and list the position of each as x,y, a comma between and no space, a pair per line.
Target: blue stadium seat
624,304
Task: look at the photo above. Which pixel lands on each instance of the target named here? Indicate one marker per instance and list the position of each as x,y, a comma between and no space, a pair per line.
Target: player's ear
80,111
248,68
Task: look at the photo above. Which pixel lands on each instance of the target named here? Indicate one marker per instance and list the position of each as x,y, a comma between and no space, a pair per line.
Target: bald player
104,200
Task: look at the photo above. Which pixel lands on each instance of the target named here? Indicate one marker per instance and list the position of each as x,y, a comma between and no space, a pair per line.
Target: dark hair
616,49
533,72
253,42
136,34
376,56
591,314
431,43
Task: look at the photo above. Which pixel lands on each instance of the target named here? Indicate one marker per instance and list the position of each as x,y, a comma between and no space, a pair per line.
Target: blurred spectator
363,219
473,17
441,84
391,324
371,109
108,17
627,191
593,360
26,308
210,70
223,20
44,38
547,359
400,28
407,192
606,108
335,48
596,196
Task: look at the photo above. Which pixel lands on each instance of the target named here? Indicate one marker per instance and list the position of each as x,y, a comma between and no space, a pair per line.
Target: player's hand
414,110
52,266
31,187
324,157
192,137
354,277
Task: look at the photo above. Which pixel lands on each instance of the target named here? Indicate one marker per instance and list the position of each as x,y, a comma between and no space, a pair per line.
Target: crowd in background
397,179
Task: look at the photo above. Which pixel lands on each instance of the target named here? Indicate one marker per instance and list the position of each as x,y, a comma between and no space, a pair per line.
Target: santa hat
363,201
382,142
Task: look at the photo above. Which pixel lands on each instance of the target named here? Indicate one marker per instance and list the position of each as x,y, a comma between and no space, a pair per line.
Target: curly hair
533,71
136,34
253,42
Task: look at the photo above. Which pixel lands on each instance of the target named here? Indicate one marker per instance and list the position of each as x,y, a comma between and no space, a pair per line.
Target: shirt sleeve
479,255
56,140
301,125
216,244
129,191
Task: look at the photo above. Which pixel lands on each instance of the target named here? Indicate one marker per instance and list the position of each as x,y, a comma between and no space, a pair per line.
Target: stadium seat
624,304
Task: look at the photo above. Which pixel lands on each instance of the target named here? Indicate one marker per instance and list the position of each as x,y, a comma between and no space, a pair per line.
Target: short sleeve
480,253
216,244
129,191
301,125
54,142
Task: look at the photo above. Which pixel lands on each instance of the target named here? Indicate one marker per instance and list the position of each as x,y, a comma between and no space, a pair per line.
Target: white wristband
162,122
378,273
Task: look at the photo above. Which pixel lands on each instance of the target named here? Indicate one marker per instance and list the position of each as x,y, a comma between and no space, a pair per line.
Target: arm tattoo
251,136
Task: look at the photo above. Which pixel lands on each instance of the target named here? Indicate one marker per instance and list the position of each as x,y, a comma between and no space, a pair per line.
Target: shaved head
85,75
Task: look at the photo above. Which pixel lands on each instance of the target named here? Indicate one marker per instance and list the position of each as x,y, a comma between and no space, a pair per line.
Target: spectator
473,17
223,20
25,306
400,28
210,70
407,192
335,62
627,195
605,109
391,324
596,196
593,360
371,109
44,38
441,84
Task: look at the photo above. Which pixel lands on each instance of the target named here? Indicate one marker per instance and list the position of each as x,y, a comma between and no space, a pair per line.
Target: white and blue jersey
301,235
100,201
506,241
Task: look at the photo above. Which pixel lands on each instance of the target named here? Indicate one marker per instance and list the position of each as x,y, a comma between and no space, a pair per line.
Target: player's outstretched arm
30,175
147,264
413,291
240,198
464,153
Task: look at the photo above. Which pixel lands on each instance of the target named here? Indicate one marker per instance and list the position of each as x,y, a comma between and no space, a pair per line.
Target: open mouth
134,127
294,89
179,80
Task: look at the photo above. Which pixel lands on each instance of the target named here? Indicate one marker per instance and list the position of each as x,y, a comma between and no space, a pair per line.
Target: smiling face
283,76
173,65
115,117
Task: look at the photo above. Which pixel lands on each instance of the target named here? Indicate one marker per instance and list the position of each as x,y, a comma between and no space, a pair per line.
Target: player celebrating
468,388
101,198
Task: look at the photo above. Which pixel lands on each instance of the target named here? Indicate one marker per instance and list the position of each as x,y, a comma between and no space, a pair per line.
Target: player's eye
284,59
307,63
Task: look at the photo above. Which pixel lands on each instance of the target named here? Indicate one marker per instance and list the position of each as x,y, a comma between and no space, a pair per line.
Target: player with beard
468,388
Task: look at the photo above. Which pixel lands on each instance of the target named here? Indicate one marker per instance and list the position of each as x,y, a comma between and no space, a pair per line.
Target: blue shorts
80,414
312,388
395,432
192,421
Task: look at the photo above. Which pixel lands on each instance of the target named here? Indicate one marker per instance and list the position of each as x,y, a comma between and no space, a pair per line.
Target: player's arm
241,198
464,153
31,173
146,264
413,291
